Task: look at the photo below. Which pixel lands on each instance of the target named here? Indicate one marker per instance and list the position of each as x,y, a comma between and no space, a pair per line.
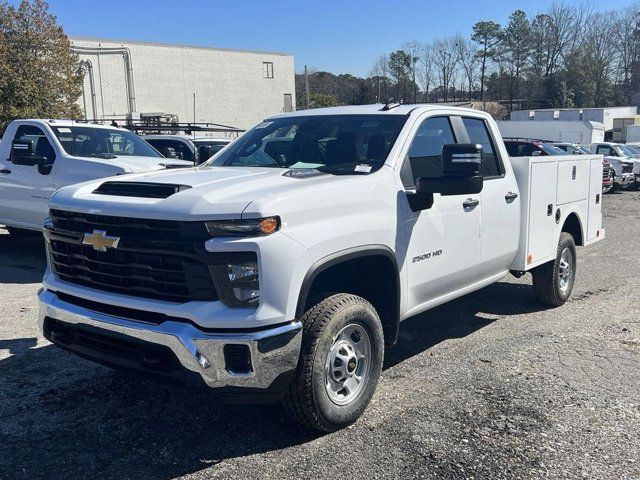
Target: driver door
26,188
443,241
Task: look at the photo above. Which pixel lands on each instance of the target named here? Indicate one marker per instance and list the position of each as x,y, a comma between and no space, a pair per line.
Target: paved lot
489,386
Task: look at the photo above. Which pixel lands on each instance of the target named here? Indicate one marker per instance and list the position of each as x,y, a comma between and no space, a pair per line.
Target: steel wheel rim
348,364
565,270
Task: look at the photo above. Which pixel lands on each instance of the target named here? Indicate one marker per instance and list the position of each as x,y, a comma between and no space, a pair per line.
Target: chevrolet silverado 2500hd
283,266
39,156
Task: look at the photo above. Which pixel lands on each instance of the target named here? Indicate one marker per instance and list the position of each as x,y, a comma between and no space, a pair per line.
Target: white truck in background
623,160
39,156
580,132
187,147
281,274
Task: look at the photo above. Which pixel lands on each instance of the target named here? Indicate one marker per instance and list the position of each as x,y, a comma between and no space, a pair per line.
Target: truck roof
178,136
68,123
375,109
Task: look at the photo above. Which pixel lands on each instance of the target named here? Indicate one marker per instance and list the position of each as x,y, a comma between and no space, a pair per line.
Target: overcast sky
341,37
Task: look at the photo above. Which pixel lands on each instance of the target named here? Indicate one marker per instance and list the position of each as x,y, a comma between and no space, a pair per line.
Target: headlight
243,228
237,281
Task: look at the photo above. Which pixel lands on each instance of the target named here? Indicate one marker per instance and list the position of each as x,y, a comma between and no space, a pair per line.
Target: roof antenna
389,105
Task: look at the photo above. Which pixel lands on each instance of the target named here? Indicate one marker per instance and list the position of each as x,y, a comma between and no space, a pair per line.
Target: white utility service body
395,209
37,157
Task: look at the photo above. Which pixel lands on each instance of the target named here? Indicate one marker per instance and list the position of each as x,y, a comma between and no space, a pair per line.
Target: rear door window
479,133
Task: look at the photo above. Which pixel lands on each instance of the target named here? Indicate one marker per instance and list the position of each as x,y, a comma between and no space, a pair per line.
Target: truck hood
136,164
616,163
213,192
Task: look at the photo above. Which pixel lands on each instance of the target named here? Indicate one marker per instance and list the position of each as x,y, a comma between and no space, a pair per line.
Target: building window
267,69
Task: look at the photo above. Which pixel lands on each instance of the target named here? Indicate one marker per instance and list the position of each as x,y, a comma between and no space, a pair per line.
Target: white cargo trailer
582,132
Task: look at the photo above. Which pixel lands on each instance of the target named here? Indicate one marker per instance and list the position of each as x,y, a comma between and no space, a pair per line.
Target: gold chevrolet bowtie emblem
100,241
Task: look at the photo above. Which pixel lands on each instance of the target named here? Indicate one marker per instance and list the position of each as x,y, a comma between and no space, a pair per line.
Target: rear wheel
553,281
340,363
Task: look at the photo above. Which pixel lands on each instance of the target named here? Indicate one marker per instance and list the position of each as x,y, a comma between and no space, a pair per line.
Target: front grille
161,277
627,167
175,271
130,228
606,173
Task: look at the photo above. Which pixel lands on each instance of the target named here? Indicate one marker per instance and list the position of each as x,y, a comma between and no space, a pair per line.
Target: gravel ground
488,386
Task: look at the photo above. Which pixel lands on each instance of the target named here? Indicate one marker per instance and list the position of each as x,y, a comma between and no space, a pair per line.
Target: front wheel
553,281
340,363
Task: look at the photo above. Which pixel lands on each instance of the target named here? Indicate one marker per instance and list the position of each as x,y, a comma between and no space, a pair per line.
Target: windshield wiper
103,155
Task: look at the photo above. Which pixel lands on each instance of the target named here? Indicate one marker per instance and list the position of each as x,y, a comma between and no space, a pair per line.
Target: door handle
5,171
510,196
470,203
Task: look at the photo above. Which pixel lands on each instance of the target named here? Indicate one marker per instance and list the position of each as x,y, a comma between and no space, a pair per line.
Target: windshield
585,150
628,151
102,142
340,144
551,149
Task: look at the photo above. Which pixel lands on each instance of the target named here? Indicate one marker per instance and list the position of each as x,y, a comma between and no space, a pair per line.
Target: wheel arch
381,286
573,225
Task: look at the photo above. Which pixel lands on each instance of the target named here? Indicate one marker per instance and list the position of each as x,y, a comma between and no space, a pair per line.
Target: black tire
307,400
547,283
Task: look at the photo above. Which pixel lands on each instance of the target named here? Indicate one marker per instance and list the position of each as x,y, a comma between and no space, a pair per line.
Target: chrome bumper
273,352
625,180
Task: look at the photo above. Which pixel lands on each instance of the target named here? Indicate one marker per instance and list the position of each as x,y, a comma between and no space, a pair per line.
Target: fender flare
345,255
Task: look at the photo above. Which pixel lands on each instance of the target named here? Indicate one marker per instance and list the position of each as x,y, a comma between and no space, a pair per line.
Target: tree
380,72
487,35
319,100
39,75
425,69
446,61
517,47
414,49
400,69
468,57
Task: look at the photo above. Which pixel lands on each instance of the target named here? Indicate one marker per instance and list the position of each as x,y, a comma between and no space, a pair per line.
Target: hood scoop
139,189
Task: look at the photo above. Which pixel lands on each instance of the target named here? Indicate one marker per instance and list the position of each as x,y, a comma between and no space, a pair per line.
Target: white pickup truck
187,147
284,277
39,156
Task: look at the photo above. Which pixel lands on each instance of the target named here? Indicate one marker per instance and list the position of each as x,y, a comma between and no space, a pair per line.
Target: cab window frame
406,172
496,151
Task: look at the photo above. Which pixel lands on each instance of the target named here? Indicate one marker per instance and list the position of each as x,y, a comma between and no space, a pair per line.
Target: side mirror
461,171
22,152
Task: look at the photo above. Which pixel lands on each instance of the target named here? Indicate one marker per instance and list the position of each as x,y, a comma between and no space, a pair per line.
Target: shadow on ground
61,416
22,260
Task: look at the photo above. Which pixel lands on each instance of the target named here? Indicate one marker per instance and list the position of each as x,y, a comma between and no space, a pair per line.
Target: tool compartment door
594,222
543,189
573,183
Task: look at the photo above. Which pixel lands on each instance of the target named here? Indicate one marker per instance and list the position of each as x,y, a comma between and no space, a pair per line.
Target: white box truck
284,276
582,132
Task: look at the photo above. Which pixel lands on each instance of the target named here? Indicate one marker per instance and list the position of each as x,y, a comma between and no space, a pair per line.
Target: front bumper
625,179
173,348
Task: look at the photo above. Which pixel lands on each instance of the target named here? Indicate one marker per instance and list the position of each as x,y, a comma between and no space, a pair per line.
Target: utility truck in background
281,269
39,156
623,160
581,132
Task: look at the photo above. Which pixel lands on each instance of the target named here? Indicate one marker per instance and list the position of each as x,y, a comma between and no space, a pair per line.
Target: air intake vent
139,189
